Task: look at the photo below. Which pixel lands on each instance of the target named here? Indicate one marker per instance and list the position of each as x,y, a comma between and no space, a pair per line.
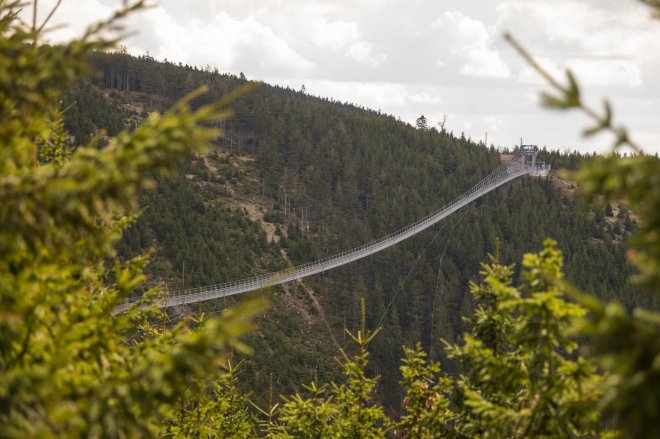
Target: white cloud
602,45
361,52
425,98
230,43
595,28
71,19
372,94
441,57
606,72
490,122
334,36
589,72
473,43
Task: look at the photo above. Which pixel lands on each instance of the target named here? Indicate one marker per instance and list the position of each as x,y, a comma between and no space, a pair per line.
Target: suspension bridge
524,164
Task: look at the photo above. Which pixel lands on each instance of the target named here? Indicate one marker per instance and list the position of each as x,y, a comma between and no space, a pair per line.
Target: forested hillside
296,178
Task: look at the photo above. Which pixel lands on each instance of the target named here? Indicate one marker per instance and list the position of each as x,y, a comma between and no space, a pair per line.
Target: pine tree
422,123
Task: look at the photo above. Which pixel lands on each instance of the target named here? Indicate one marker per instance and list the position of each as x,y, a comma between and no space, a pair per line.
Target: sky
445,59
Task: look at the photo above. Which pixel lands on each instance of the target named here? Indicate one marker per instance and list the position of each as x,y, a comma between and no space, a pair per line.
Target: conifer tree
342,411
422,123
67,365
518,374
626,345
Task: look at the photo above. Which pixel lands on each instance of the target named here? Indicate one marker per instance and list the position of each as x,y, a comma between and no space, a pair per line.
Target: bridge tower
528,155
528,160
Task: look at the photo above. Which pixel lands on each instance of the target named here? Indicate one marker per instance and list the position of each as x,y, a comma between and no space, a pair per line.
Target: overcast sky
413,57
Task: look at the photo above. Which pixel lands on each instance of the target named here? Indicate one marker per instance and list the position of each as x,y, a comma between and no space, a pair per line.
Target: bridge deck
502,175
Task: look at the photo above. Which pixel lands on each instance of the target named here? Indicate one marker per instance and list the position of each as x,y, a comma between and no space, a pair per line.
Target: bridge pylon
528,154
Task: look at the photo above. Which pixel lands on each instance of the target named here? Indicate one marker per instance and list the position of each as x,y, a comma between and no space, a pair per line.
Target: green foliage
87,110
518,376
422,123
66,367
626,345
220,410
427,413
69,366
520,373
636,182
347,412
357,175
629,345
309,417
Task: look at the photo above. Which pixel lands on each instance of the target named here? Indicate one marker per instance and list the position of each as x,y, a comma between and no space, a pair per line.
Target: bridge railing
498,177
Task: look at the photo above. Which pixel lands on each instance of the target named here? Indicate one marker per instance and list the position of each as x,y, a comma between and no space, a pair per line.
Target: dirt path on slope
319,309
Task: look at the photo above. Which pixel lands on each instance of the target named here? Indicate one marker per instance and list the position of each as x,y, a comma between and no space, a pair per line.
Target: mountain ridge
326,177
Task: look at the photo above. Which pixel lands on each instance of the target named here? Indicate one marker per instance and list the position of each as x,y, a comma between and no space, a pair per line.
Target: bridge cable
437,279
498,177
401,284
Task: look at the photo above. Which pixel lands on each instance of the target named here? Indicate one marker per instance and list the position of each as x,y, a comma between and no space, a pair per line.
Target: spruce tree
70,366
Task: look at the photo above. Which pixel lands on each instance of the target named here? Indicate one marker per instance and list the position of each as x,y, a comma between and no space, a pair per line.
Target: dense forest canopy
297,178
294,178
